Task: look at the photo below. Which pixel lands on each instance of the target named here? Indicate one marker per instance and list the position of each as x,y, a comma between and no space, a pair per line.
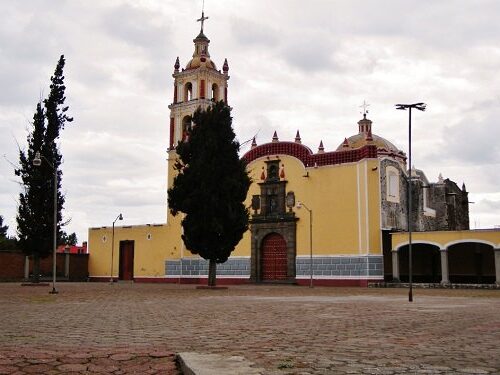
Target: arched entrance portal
274,258
426,261
471,263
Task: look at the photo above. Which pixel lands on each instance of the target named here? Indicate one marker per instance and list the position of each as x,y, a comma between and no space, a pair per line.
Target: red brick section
171,143
305,155
11,265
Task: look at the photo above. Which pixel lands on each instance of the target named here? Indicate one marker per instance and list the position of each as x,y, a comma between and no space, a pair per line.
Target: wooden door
274,258
126,260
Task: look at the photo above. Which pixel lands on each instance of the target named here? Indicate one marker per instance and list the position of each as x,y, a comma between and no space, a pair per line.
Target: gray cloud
292,65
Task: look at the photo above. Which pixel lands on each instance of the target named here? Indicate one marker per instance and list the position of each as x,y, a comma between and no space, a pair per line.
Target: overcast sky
294,64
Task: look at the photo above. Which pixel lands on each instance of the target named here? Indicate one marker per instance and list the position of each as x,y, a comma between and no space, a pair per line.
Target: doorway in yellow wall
274,258
126,270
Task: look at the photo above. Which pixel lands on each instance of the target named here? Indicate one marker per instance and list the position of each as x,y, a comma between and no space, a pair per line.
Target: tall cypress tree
211,187
35,221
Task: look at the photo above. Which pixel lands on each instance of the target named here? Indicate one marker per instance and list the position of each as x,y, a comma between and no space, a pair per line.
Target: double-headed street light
37,161
119,217
299,206
404,107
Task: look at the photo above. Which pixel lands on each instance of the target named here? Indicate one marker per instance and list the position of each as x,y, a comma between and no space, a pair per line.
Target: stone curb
191,363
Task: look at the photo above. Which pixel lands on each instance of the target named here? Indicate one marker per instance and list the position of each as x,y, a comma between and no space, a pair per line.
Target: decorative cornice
305,155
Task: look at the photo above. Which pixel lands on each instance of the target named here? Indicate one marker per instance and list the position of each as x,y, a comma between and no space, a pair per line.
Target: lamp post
404,107
119,217
37,161
299,206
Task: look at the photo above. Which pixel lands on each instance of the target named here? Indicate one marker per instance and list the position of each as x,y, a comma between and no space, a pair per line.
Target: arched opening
186,127
274,258
188,91
471,263
215,93
426,263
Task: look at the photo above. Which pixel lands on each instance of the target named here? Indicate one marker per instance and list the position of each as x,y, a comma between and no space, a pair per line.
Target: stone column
66,265
395,266
445,273
497,265
27,268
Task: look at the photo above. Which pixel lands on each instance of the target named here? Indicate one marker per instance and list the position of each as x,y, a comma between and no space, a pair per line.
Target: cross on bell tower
202,20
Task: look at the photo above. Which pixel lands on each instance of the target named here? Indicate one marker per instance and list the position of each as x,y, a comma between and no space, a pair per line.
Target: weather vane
203,18
365,106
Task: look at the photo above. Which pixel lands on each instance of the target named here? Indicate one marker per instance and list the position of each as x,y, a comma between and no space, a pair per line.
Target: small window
104,239
149,236
392,184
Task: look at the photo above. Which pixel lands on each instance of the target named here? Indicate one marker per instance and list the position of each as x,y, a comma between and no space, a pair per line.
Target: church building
328,217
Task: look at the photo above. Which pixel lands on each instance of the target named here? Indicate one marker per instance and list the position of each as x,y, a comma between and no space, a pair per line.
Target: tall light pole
37,161
404,107
119,217
299,206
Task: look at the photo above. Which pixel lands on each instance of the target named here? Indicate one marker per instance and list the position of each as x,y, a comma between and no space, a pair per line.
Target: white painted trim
359,209
341,256
361,277
205,276
367,218
468,240
417,242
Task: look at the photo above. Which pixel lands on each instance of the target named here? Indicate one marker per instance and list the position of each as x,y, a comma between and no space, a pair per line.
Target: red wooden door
126,260
274,259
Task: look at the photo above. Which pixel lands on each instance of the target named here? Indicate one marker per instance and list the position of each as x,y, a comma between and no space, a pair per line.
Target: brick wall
11,265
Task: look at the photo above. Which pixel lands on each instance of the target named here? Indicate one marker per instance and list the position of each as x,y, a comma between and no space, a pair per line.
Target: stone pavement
135,328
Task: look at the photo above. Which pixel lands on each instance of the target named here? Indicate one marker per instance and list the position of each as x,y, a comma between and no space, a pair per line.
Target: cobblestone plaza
136,328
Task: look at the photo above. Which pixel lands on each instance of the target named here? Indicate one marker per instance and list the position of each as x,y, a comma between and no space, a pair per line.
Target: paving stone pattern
110,328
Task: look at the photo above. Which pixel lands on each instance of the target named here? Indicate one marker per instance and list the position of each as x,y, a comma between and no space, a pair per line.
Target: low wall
72,267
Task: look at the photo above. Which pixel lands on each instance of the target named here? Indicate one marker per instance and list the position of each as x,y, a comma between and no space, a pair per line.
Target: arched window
186,127
215,93
392,184
188,91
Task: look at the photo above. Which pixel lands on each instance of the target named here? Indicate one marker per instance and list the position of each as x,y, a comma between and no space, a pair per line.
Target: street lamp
404,107
37,161
299,206
119,217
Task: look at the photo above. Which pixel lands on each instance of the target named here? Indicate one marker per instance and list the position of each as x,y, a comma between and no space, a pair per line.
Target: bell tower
197,85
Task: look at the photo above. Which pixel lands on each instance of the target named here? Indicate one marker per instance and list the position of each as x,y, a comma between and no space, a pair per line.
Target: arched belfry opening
274,229
215,92
188,92
186,126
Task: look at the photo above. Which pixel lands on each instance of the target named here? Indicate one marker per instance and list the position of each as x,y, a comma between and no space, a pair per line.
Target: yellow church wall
153,245
344,199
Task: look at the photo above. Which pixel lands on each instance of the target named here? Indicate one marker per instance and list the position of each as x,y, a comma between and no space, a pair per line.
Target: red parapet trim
305,155
335,282
190,280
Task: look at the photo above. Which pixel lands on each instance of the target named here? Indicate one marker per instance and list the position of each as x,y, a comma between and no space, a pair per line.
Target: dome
198,61
359,140
365,137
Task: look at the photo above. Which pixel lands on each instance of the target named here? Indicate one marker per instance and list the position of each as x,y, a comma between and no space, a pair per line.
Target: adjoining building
353,200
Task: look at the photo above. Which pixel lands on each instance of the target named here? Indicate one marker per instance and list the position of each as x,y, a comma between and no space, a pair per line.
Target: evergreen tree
66,239
211,187
35,218
6,242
